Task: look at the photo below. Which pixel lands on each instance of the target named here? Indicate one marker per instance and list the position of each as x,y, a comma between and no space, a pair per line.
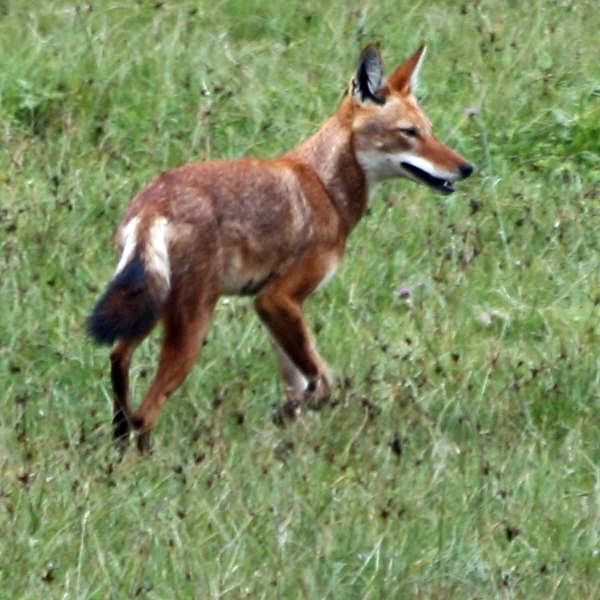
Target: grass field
461,455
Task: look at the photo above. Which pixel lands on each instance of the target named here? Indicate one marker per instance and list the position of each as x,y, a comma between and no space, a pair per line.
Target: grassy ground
462,456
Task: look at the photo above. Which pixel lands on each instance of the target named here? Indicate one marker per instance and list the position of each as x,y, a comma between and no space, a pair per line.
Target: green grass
461,458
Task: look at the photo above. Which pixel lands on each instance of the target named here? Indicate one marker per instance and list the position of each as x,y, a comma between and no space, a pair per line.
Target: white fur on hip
154,254
157,250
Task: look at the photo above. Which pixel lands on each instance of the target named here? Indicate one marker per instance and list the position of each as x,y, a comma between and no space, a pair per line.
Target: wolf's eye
412,132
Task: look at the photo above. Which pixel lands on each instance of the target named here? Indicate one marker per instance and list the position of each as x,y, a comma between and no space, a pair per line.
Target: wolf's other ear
368,80
405,78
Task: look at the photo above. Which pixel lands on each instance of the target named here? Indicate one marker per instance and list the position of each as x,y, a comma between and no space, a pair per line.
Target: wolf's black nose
466,169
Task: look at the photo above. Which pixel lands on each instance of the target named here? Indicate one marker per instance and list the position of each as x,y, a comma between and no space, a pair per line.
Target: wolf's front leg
279,305
298,389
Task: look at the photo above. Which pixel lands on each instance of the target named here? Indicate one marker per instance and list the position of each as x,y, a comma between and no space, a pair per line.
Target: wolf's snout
466,169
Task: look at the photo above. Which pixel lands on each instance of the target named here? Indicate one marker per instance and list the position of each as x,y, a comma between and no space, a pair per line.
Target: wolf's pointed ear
406,77
368,80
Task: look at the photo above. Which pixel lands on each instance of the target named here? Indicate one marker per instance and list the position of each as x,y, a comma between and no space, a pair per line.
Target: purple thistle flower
403,292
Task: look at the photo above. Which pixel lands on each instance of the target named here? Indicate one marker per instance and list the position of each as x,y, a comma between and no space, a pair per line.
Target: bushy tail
133,301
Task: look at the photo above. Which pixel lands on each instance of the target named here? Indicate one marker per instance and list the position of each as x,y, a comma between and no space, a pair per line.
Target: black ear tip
369,75
371,51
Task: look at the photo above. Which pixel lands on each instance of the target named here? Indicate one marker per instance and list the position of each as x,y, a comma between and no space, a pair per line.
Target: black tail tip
101,328
128,309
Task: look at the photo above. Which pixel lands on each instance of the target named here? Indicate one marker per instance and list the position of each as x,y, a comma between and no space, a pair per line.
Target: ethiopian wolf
272,228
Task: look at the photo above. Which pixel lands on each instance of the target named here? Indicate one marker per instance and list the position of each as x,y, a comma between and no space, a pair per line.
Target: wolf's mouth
437,183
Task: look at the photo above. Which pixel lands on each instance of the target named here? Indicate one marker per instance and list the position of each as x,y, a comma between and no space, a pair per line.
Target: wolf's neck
330,154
